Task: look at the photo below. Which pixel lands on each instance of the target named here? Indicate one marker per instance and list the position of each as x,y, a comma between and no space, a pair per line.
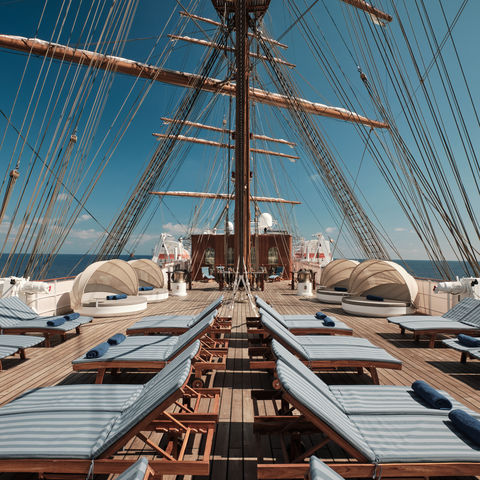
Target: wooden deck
235,447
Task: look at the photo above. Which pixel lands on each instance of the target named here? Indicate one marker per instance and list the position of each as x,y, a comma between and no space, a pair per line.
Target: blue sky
296,181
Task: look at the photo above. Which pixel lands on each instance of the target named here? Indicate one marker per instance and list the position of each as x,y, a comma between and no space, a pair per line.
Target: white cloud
83,218
400,229
62,196
144,238
86,234
331,229
175,228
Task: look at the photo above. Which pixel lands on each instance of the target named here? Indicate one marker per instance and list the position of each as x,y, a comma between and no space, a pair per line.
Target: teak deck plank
235,446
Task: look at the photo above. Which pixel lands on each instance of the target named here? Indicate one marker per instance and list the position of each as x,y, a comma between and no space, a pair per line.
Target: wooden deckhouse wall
262,243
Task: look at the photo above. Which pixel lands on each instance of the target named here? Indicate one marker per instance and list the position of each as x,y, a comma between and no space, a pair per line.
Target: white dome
265,220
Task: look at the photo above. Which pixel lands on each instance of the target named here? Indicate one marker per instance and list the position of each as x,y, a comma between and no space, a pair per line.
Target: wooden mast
242,140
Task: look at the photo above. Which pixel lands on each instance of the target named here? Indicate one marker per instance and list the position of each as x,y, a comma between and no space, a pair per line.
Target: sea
67,265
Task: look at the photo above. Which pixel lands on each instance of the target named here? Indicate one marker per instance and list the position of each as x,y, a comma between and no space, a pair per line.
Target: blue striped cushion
348,352
161,321
311,397
462,309
7,351
320,471
39,322
424,325
414,438
337,340
136,472
20,341
385,399
12,308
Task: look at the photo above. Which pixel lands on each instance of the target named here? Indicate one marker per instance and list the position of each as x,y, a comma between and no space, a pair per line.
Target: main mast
241,11
242,140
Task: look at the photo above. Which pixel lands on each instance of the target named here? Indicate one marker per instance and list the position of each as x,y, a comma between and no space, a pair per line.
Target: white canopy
148,272
337,273
110,276
384,279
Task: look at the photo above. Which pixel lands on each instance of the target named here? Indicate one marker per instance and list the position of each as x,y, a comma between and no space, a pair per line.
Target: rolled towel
433,397
118,296
55,322
71,316
466,424
320,315
375,298
341,289
468,341
116,339
98,351
145,289
329,322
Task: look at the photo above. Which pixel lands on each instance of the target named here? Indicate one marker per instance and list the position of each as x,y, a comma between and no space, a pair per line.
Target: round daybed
106,289
373,308
380,288
150,280
334,281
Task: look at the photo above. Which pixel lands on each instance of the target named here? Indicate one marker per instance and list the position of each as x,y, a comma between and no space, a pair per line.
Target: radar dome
265,220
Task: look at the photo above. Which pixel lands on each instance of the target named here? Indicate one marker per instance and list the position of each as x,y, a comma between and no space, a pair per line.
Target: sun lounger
140,470
462,318
460,311
177,324
18,318
12,344
368,399
154,352
325,352
467,352
82,428
396,444
298,324
277,275
206,276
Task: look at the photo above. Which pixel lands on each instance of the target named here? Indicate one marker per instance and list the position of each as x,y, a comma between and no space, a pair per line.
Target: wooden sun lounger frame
46,332
432,333
179,426
268,362
360,468
212,355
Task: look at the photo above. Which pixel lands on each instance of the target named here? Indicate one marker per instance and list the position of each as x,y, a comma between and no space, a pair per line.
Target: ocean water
66,265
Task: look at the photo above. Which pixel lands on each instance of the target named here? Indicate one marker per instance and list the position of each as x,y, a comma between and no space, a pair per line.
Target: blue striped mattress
82,421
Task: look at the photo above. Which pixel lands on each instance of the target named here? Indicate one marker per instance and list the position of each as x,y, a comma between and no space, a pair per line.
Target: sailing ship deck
235,447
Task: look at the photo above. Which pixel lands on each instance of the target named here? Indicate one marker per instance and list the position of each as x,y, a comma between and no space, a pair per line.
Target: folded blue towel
98,351
466,424
118,296
320,315
71,316
341,289
116,339
329,322
468,341
433,397
375,298
145,289
55,322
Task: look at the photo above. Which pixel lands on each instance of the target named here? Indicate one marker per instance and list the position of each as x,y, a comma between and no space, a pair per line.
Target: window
209,257
273,256
253,257
230,256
